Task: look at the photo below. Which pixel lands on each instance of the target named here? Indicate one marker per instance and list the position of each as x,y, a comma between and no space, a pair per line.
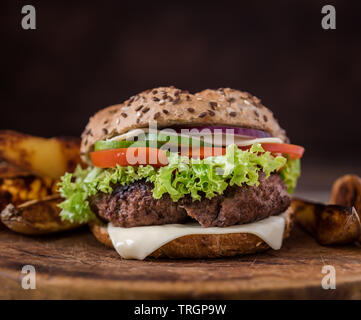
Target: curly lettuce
290,173
182,176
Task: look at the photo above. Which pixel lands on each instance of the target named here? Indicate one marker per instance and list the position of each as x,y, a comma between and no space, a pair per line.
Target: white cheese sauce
139,242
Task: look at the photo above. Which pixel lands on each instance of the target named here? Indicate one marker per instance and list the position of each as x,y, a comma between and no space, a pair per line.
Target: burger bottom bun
203,246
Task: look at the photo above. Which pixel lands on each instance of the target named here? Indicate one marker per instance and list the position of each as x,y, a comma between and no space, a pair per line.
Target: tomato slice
203,152
292,150
135,156
129,157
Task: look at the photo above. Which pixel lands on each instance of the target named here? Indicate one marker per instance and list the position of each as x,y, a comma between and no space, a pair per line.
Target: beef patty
134,205
240,205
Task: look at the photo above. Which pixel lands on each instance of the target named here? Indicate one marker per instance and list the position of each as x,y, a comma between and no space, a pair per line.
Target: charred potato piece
329,224
36,217
44,157
22,189
8,170
346,191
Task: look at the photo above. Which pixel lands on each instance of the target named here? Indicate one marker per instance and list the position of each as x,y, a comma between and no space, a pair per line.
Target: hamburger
180,175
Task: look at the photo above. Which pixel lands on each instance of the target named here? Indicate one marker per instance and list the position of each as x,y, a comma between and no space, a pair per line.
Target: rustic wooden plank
75,266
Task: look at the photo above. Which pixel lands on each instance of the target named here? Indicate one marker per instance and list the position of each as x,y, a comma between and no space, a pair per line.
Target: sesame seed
211,113
117,122
247,102
139,108
256,114
155,91
232,114
165,111
124,115
213,104
156,116
176,101
105,131
199,98
191,110
188,98
202,115
131,101
139,114
165,96
265,118
161,102
155,99
146,110
106,121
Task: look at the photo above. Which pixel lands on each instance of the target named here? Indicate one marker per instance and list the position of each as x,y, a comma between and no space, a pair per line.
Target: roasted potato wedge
346,191
329,224
8,170
21,189
43,157
36,217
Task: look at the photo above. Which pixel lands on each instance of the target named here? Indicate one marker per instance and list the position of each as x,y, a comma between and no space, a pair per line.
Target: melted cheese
139,242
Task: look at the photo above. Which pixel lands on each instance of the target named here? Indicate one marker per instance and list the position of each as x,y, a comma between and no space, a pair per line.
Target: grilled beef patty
240,205
134,205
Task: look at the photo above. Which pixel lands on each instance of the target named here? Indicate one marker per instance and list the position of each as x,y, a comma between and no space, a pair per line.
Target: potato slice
45,157
36,217
329,224
346,191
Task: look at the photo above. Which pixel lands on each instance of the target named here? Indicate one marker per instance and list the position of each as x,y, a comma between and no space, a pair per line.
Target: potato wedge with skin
346,191
329,224
8,170
22,189
36,217
40,156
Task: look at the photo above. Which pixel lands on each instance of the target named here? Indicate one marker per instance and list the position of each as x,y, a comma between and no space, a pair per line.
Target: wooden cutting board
75,266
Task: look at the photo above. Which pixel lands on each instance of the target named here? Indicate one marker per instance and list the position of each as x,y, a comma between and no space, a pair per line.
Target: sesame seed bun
169,106
205,245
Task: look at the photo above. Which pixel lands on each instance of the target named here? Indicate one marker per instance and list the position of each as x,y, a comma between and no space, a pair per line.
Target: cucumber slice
174,140
151,140
111,144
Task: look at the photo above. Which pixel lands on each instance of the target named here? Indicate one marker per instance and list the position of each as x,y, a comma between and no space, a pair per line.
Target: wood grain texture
75,266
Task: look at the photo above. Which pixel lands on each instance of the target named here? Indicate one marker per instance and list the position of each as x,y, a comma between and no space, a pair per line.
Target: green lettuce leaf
182,176
290,174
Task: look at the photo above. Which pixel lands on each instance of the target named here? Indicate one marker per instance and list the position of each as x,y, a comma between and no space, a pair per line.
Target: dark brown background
84,56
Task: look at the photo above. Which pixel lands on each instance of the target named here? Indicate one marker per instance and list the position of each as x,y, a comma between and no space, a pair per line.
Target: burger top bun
169,106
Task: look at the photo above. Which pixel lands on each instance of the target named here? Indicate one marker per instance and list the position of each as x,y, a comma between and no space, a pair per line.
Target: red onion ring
246,132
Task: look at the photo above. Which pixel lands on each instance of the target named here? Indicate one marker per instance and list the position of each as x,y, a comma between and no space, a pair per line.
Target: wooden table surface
75,266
